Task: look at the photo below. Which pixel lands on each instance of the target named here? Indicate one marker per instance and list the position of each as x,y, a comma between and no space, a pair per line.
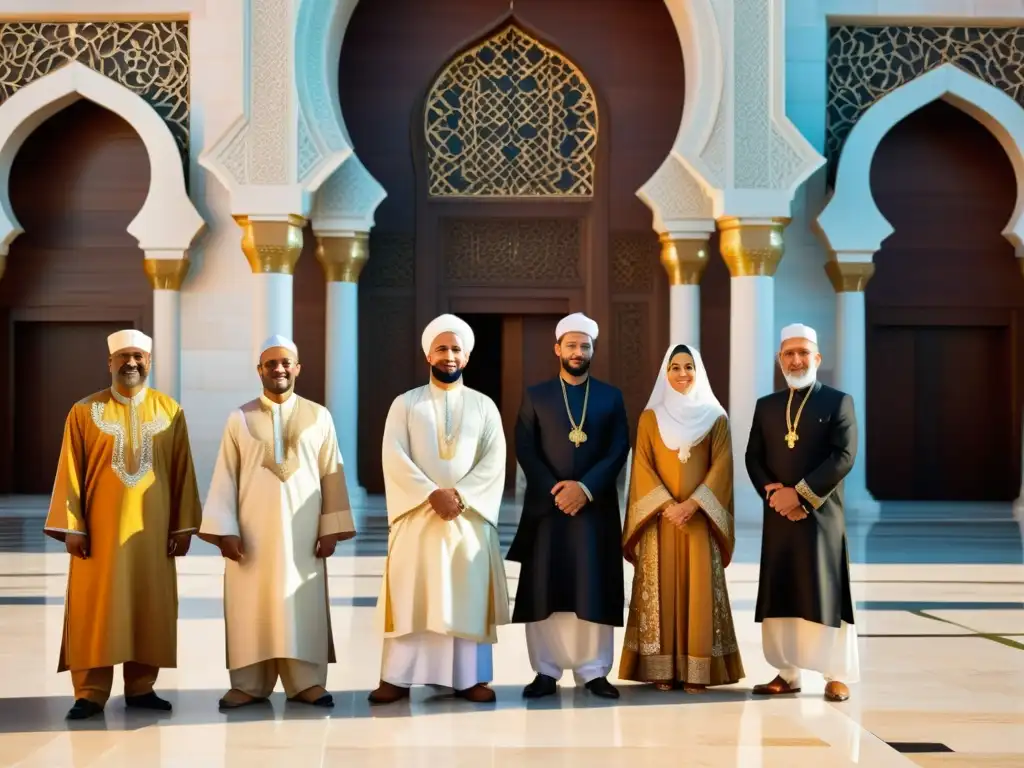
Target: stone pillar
849,278
272,247
343,257
684,260
166,276
752,250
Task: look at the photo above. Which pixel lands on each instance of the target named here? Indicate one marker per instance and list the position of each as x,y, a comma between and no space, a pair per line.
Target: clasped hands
785,501
231,547
679,514
77,545
446,502
569,497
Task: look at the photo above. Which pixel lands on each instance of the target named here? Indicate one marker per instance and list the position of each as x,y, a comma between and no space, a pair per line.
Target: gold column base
751,249
849,277
684,260
343,257
166,274
272,247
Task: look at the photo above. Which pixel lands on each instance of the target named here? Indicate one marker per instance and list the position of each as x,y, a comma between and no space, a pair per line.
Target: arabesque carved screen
511,118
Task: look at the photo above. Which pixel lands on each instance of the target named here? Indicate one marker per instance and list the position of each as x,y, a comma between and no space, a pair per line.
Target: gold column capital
166,274
343,256
751,247
849,276
684,259
272,245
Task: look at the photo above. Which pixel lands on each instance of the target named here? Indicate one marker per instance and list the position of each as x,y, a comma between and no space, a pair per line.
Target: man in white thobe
444,592
277,507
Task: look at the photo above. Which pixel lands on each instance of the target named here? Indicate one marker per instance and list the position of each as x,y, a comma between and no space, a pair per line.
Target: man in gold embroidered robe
125,504
277,507
444,592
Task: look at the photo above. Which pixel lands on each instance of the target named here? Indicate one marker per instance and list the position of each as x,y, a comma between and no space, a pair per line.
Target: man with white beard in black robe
803,442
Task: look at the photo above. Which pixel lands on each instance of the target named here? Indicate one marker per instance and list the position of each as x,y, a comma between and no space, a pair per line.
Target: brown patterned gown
680,627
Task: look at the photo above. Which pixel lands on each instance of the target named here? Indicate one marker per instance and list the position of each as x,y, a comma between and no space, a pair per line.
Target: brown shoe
235,698
777,687
836,691
387,693
478,694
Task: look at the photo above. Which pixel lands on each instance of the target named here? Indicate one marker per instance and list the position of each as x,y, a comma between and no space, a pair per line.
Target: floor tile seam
1002,639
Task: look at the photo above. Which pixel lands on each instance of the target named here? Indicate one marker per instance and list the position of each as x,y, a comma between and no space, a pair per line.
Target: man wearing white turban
444,591
277,508
803,442
572,440
125,504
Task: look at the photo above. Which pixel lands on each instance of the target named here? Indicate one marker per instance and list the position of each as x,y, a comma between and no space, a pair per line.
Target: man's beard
575,368
278,386
125,377
445,377
805,379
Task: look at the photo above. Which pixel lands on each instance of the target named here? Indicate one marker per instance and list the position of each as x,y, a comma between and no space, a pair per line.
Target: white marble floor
942,653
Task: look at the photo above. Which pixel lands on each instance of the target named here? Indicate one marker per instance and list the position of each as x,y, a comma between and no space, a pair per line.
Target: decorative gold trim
751,249
166,274
272,247
714,510
343,258
812,498
724,642
684,260
118,457
849,277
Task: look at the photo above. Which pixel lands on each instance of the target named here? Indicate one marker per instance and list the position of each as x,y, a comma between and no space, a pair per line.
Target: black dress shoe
84,709
542,685
147,701
601,687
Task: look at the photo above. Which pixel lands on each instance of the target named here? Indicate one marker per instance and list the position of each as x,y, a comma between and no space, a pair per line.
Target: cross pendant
791,439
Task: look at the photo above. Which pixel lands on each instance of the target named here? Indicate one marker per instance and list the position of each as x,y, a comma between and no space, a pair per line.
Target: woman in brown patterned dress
679,535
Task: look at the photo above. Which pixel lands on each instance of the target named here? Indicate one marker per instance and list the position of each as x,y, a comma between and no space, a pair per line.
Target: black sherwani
805,566
570,564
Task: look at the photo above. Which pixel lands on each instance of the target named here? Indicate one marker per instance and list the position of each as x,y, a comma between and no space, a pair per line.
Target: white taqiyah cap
279,341
129,339
448,324
576,323
800,331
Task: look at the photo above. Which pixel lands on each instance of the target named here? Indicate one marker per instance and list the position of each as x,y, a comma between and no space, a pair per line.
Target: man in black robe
572,440
803,442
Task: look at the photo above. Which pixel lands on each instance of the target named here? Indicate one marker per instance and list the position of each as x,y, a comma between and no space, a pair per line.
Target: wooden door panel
889,415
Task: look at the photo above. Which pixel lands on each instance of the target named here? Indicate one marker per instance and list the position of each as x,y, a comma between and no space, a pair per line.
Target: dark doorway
484,370
944,312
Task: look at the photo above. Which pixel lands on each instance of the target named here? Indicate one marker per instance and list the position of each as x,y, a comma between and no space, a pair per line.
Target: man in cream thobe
444,590
277,507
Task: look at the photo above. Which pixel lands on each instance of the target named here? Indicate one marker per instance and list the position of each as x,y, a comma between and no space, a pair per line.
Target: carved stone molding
348,200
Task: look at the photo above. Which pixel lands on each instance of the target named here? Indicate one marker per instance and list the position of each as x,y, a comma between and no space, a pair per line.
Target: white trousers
794,644
562,641
428,658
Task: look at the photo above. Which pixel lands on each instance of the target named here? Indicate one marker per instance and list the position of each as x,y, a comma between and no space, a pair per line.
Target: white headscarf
684,420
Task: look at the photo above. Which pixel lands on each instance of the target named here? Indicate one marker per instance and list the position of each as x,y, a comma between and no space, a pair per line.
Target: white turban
800,331
279,341
448,324
576,323
130,338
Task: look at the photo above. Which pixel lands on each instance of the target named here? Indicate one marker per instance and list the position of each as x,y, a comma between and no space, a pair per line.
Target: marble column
343,258
849,278
166,276
684,260
752,250
272,248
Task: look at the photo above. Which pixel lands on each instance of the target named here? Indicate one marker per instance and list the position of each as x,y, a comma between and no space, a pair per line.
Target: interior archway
944,309
74,276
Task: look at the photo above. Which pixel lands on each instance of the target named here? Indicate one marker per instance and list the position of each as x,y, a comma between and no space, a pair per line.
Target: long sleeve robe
680,625
279,484
445,577
125,480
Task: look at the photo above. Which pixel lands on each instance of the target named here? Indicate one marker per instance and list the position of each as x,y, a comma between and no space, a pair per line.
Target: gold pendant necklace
576,435
791,424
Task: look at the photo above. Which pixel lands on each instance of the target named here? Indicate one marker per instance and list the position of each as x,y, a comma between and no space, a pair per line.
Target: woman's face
681,373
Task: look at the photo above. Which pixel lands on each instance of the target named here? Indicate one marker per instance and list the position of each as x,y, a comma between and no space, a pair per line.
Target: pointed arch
167,221
852,222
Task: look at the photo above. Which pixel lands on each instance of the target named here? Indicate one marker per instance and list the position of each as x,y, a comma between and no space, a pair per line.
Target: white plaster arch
168,221
851,222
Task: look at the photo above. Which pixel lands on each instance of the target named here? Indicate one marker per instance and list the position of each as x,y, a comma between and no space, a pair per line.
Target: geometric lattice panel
150,58
866,63
511,118
501,251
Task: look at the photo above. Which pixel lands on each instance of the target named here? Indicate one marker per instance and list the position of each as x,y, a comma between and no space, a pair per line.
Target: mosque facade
683,171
